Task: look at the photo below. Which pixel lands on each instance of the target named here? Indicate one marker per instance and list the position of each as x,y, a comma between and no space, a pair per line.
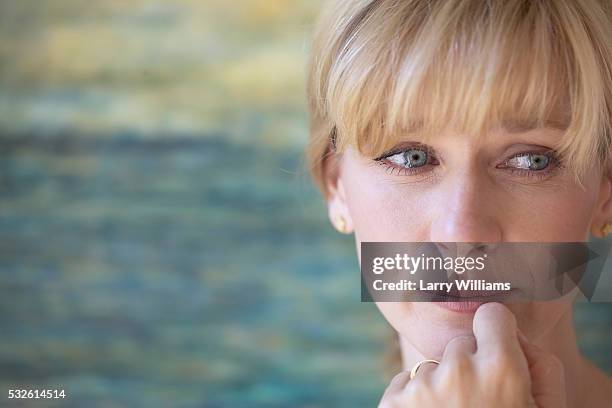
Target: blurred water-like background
160,242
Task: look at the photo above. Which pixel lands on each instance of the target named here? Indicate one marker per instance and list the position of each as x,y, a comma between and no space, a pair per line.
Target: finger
398,382
531,351
459,347
547,374
425,371
495,328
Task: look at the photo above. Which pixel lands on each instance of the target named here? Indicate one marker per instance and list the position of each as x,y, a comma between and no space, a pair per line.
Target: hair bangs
412,68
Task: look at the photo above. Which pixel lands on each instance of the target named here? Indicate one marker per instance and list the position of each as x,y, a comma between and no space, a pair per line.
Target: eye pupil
538,162
415,158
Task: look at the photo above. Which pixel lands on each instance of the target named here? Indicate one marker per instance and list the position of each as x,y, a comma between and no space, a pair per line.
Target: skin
470,192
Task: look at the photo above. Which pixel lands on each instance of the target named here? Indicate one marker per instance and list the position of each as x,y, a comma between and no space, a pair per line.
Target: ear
603,209
336,196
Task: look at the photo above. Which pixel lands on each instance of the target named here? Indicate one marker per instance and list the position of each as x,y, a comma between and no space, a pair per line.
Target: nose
466,210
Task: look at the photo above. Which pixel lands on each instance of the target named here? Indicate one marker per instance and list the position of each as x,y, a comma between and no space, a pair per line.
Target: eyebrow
521,126
509,125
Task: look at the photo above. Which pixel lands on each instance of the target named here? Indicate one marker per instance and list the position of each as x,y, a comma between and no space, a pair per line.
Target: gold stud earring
340,224
606,229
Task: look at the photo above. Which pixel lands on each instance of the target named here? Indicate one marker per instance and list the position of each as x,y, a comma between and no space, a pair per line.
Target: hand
497,367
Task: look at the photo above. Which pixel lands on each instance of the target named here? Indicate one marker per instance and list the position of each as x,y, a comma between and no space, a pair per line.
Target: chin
431,326
428,327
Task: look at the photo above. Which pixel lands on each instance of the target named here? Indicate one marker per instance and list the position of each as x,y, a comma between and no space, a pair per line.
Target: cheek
382,211
560,215
536,319
388,208
385,211
382,217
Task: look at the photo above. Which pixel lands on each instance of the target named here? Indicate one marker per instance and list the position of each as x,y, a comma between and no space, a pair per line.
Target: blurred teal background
160,241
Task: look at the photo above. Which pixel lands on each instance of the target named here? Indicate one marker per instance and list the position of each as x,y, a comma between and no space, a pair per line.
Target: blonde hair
380,70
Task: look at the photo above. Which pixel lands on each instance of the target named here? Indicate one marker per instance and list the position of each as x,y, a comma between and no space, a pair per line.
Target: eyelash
407,171
554,164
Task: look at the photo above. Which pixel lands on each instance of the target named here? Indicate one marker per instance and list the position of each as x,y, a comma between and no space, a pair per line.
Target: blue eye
529,161
409,158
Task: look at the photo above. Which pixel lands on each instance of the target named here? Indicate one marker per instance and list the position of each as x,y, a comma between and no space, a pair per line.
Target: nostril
481,246
486,246
442,245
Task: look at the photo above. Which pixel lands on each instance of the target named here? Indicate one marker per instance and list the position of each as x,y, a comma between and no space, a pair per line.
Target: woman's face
505,187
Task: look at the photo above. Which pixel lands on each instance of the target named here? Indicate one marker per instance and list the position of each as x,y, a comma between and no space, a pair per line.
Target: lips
461,307
465,301
480,294
466,295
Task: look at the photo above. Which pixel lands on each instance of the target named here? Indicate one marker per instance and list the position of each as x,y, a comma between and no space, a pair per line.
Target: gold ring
419,364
